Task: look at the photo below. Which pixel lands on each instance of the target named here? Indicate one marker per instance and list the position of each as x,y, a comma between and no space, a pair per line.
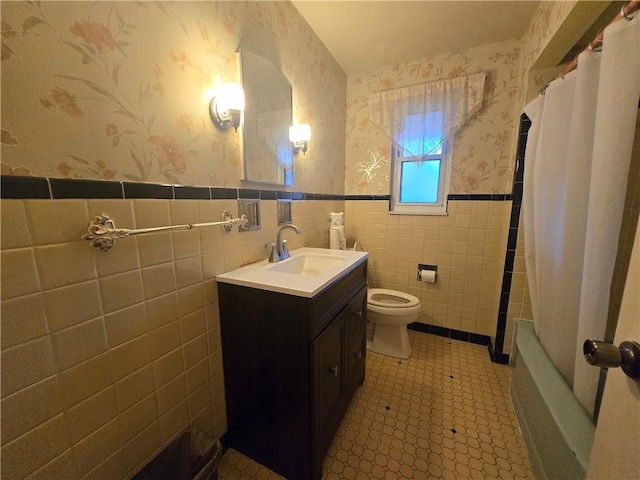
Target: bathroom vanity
294,354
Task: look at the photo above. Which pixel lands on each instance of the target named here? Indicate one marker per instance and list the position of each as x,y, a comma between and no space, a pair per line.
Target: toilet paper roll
428,276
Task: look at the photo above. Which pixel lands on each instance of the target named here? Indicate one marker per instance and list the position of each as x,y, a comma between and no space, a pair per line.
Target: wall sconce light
226,107
299,135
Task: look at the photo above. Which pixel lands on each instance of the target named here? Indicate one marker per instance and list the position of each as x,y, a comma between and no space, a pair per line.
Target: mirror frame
255,145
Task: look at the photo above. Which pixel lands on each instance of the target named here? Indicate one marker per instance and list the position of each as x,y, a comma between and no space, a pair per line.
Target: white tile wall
467,245
107,356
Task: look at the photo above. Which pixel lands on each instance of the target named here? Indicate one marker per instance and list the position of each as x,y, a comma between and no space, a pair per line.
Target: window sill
418,212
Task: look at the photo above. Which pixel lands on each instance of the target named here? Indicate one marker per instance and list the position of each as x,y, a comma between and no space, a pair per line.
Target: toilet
391,311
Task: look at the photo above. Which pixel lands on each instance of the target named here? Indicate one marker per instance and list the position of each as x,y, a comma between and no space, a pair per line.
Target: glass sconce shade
226,107
299,135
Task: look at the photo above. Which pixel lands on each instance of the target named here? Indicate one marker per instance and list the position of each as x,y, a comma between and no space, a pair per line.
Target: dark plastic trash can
193,455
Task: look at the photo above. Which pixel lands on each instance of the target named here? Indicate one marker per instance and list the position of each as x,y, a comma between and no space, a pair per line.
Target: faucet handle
285,251
273,252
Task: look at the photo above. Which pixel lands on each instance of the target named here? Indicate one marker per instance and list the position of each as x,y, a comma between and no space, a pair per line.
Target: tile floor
445,413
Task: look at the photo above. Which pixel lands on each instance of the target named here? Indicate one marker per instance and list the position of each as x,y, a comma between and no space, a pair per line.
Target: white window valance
458,98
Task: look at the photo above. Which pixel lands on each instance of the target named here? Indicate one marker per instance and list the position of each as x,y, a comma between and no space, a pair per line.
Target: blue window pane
419,181
422,134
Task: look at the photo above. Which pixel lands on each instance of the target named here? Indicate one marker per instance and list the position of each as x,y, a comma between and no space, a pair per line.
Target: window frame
436,208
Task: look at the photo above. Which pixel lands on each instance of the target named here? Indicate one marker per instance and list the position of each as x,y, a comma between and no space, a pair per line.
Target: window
420,173
421,121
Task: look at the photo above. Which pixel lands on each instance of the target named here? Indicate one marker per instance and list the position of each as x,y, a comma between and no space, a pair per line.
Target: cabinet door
356,341
357,321
356,364
329,377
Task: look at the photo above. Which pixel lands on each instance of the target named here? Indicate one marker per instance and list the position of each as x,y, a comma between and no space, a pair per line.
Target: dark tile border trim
24,187
147,190
512,240
182,192
219,193
284,195
68,188
501,358
246,193
477,197
60,188
498,357
451,333
475,338
268,194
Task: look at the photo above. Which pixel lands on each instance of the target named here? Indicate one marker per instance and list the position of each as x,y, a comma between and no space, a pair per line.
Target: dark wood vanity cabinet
291,366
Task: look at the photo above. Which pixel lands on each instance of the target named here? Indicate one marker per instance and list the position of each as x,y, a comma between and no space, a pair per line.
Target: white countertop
265,276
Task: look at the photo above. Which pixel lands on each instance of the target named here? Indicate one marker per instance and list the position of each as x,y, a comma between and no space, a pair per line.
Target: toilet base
392,340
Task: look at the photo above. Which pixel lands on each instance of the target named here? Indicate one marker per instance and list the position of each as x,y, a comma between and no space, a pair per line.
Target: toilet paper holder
422,267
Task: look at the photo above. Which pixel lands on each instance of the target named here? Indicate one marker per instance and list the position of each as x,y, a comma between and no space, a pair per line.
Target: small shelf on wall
250,208
285,216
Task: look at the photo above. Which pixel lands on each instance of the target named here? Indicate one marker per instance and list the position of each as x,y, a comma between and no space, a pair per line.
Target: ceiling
363,35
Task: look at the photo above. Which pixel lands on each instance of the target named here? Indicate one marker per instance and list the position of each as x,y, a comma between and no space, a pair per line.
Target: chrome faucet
279,250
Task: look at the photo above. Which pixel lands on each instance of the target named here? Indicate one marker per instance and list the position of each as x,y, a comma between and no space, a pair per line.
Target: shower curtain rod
596,43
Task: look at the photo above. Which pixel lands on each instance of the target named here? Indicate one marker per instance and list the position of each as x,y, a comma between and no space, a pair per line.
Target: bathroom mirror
268,155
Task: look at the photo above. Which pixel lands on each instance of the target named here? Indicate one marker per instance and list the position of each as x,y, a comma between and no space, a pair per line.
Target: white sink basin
306,273
307,264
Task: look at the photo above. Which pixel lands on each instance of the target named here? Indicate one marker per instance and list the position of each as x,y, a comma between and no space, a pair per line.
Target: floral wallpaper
484,147
120,90
545,23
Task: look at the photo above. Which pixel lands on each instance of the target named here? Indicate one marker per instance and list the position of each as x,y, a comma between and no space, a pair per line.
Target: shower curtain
576,167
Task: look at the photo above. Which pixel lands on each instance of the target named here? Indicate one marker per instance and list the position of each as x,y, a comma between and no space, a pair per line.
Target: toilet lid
383,297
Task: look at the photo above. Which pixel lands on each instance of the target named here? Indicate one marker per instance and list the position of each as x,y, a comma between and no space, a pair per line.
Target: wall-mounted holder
285,217
607,355
250,209
427,268
103,232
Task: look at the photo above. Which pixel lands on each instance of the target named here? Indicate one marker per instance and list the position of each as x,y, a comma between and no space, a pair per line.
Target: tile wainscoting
106,356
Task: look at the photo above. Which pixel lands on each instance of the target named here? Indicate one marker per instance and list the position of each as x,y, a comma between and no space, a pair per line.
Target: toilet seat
386,298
